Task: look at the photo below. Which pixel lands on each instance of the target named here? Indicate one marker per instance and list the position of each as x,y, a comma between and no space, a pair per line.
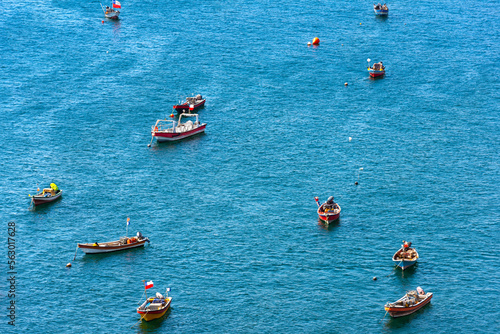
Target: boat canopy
53,186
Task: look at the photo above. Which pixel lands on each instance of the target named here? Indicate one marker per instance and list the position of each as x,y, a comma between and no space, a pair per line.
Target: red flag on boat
117,4
148,285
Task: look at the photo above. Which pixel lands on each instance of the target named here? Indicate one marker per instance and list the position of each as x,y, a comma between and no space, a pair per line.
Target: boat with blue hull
406,256
381,10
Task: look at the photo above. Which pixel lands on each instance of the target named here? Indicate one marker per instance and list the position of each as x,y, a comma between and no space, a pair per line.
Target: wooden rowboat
329,211
154,307
114,246
47,195
412,301
406,256
381,10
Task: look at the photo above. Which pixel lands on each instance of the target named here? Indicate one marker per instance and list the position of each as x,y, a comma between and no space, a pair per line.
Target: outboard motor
139,235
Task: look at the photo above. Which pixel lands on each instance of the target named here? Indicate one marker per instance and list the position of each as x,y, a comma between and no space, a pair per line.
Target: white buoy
350,139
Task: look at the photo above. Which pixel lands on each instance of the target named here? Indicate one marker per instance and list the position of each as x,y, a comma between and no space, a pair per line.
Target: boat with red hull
329,211
411,302
377,70
170,130
191,104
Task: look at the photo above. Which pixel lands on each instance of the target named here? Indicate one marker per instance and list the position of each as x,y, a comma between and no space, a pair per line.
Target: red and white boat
409,303
170,130
329,211
111,13
47,195
191,104
114,246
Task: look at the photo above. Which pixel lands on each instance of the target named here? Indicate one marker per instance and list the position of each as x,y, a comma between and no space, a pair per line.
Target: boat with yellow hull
154,307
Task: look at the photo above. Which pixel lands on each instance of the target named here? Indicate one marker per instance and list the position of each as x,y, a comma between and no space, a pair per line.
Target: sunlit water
231,214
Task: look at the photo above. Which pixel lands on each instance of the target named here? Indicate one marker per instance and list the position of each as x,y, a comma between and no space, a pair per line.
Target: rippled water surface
231,213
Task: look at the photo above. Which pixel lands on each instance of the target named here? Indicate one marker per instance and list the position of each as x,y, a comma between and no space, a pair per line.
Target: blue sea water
231,213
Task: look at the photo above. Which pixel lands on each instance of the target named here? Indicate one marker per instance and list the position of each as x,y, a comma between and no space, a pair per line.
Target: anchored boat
191,104
412,301
329,211
154,307
47,195
377,70
406,256
170,130
114,246
381,10
111,13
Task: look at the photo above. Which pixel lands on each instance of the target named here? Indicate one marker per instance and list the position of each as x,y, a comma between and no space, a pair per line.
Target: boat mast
145,290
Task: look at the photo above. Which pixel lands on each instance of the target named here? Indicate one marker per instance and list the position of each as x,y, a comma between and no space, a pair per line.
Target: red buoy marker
315,41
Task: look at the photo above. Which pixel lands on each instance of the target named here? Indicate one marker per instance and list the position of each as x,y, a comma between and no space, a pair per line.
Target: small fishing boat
409,303
111,13
191,104
170,130
377,70
406,256
154,307
329,211
381,10
114,246
47,195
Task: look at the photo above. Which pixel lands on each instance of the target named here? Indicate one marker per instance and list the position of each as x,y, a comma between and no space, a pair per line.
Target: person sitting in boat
384,7
108,10
329,205
406,245
378,6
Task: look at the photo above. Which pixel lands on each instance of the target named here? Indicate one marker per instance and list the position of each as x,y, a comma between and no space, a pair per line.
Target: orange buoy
172,115
68,265
315,41
102,22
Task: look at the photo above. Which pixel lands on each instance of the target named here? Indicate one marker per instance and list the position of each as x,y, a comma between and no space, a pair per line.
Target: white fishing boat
406,256
171,130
